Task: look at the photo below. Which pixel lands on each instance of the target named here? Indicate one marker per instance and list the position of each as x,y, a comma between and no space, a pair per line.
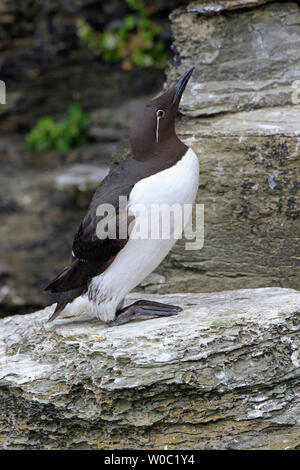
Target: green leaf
136,41
61,135
129,22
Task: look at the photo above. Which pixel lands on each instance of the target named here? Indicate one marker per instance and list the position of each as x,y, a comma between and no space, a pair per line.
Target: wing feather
92,251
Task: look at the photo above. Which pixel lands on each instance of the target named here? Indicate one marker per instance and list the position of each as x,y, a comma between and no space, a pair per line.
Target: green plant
61,135
140,6
134,43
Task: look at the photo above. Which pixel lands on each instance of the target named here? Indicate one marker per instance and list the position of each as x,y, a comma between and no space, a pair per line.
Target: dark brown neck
167,152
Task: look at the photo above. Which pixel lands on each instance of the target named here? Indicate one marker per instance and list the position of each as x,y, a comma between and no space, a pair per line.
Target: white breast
177,184
139,257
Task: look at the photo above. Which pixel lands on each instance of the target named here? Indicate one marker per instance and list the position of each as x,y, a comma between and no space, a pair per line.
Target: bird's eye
160,113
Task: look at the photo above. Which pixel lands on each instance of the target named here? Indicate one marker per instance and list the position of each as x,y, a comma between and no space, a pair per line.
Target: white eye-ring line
159,115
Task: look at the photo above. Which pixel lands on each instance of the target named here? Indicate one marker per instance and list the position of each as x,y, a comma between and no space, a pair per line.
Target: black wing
90,242
92,253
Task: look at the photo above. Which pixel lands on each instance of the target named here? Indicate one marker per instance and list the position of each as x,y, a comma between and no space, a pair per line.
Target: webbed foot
143,308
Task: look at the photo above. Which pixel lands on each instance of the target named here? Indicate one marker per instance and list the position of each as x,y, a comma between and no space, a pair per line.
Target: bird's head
154,126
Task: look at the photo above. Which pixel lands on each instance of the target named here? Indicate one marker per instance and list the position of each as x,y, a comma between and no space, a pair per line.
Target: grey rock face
249,185
223,374
249,160
244,59
208,7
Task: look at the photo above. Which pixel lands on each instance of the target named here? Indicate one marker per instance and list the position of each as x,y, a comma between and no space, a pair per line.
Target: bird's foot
143,308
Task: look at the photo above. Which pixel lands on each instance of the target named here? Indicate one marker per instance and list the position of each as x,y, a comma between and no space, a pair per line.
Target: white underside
139,257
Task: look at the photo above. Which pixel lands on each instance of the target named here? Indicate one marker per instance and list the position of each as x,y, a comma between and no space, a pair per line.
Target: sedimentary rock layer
223,374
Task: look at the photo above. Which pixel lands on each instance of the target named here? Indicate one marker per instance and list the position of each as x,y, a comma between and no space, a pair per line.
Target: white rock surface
222,374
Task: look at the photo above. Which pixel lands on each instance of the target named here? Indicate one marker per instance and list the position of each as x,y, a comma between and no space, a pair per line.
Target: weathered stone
246,58
250,187
93,85
222,374
249,160
208,7
112,124
153,283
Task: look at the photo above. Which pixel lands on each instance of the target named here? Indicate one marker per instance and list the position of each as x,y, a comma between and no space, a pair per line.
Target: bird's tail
73,282
65,298
76,275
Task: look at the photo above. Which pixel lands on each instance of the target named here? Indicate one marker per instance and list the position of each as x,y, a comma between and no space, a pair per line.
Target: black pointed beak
181,84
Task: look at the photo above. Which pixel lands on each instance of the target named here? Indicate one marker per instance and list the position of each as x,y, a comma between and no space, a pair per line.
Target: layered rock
249,160
245,59
223,374
250,188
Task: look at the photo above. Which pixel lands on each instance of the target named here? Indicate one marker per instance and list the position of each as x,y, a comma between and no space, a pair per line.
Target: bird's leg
143,308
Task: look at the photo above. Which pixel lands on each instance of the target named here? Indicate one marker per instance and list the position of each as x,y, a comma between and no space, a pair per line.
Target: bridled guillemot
161,170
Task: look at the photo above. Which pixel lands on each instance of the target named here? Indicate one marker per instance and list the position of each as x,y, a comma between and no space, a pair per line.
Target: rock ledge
222,374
